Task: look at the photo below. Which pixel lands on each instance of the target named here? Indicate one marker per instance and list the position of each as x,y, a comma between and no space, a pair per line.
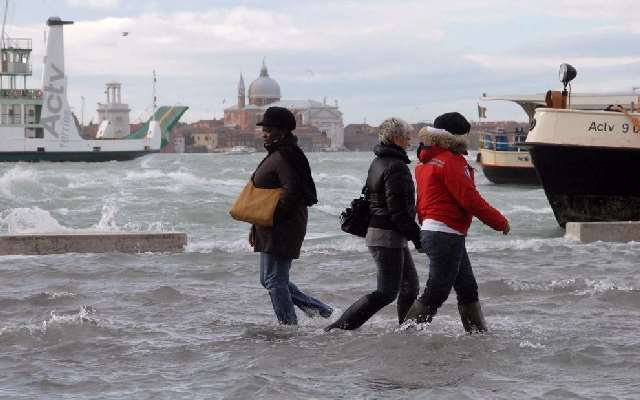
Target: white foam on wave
108,219
517,209
576,286
177,181
145,163
599,286
242,170
37,220
328,247
82,316
336,246
527,344
16,176
183,177
30,220
535,244
334,179
52,295
227,246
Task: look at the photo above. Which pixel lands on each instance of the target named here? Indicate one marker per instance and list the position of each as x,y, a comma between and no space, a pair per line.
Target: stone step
617,231
91,242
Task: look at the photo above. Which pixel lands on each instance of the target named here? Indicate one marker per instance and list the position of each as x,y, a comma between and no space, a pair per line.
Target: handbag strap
364,191
257,168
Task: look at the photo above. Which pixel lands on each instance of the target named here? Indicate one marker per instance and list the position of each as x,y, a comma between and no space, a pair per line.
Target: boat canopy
579,101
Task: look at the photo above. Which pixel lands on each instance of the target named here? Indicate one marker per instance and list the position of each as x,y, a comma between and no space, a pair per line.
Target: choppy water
564,317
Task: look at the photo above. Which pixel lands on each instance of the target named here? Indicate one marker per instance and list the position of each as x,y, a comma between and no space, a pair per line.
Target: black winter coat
285,238
391,192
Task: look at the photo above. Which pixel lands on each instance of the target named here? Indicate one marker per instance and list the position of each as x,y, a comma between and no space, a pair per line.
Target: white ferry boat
587,160
504,156
37,124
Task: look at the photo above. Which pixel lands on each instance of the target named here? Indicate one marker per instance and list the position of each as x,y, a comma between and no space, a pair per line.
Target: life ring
38,94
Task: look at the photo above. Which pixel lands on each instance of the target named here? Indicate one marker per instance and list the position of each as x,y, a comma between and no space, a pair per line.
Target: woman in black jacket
284,167
392,224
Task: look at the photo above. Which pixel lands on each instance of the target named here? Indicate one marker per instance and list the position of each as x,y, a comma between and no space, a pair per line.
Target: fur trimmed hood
430,136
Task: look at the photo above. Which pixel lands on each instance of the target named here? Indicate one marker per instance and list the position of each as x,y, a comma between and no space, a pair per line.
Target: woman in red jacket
447,200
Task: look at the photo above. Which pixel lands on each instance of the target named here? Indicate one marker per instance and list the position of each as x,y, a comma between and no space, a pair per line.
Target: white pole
4,20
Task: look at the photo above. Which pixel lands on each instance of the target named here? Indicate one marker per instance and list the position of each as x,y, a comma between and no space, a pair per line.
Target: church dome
264,90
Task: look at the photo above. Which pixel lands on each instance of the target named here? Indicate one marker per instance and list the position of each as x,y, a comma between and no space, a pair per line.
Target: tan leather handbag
255,205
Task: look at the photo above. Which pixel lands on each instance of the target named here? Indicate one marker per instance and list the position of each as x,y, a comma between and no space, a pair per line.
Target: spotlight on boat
567,74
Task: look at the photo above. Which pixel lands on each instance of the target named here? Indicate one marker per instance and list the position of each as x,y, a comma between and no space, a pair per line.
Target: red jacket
447,193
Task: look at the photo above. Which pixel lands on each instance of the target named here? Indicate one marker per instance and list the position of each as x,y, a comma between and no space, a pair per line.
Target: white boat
37,124
241,150
505,158
588,161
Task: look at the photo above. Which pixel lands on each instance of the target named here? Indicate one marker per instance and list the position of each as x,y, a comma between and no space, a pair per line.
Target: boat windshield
502,140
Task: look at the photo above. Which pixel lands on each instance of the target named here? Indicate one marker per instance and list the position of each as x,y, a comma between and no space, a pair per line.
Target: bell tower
241,92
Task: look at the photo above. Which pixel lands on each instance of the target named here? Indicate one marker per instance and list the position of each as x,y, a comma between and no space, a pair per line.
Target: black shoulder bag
355,219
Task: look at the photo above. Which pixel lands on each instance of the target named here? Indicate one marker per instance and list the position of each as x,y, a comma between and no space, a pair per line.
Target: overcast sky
411,59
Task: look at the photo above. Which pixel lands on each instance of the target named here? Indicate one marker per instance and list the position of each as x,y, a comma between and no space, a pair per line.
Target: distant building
360,137
207,140
113,116
178,144
264,92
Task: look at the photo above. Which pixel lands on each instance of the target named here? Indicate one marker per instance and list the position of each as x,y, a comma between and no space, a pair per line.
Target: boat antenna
155,98
4,20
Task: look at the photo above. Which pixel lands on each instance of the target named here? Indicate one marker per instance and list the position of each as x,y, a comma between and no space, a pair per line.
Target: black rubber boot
472,318
420,313
403,306
358,313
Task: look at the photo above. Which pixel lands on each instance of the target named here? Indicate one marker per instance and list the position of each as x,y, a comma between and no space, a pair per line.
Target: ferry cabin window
11,114
34,133
32,113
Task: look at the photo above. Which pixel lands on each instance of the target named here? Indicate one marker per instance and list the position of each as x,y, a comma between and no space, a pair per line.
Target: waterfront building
264,92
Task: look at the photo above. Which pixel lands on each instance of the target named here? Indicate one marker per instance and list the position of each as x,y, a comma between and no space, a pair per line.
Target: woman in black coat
284,167
392,225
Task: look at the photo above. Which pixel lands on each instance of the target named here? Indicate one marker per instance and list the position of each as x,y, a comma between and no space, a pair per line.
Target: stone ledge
616,231
91,242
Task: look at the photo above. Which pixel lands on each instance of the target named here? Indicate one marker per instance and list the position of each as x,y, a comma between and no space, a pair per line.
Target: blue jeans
449,267
274,276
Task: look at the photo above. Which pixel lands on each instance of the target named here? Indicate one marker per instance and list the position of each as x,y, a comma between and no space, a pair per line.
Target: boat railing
17,43
503,141
21,93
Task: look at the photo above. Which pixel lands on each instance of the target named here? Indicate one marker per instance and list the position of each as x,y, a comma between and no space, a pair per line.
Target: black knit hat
452,122
278,117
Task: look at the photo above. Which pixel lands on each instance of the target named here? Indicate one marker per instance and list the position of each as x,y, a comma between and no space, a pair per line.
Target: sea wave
17,178
518,209
29,220
160,295
321,245
339,179
227,246
335,246
58,326
575,286
535,244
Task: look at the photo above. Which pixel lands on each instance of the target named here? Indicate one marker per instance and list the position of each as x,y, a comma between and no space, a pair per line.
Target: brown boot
472,318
